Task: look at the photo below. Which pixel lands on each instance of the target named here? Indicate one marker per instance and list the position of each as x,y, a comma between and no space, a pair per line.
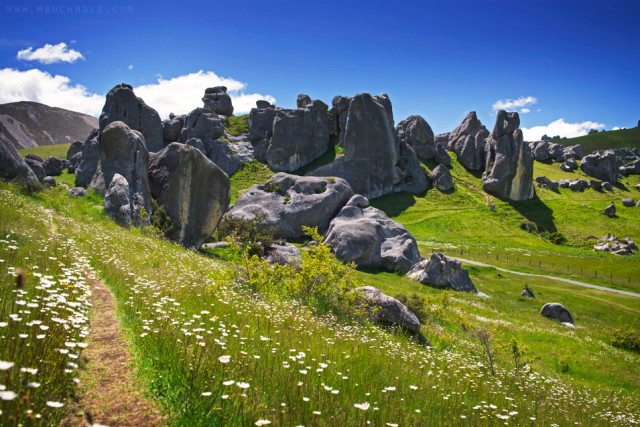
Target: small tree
486,338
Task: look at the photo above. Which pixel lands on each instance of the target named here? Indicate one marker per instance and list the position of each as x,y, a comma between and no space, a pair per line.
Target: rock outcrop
557,312
203,124
374,163
416,132
123,152
282,253
387,310
36,165
468,141
441,271
628,202
13,166
218,100
541,151
601,166
194,191
610,211
442,156
509,167
611,243
117,201
90,159
124,106
442,179
74,148
289,202
367,237
53,166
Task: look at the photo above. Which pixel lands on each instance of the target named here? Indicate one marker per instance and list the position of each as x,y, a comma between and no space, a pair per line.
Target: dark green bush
160,219
529,226
556,238
625,336
249,234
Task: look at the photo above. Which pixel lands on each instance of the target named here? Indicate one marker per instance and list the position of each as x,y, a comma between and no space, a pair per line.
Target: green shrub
556,238
247,234
626,337
160,220
564,364
237,125
529,226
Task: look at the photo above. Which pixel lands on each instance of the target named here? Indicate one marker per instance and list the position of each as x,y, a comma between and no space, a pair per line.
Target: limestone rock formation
117,201
74,149
558,312
441,271
123,105
77,192
49,181
13,166
203,124
442,155
611,243
526,292
303,101
261,120
90,158
610,211
387,310
573,152
194,191
416,132
628,202
218,100
556,152
374,163
441,178
509,167
36,165
282,253
468,141
288,202
543,181
123,152
601,166
367,237
53,166
541,151
171,128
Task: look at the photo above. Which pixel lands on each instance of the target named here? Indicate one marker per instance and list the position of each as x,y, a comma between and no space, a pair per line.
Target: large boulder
573,152
416,132
36,165
442,155
556,152
631,168
303,100
557,312
288,202
53,166
194,191
203,124
509,167
282,253
441,271
601,166
218,100
171,128
298,137
123,152
124,106
628,202
610,211
387,310
74,149
86,169
117,201
468,141
543,181
374,162
442,179
541,151
442,139
229,154
261,120
13,166
367,237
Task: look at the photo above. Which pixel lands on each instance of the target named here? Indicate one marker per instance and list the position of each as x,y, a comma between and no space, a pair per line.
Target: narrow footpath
573,282
108,393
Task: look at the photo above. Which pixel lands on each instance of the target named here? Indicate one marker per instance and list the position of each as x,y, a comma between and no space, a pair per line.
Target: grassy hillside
624,138
59,151
215,351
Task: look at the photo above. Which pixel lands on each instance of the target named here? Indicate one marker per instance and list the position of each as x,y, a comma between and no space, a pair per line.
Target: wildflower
55,404
243,385
224,359
7,395
5,365
206,393
225,396
230,382
412,387
306,399
262,422
317,412
364,406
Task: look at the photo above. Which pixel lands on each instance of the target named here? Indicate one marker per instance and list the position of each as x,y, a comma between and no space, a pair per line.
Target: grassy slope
59,151
624,138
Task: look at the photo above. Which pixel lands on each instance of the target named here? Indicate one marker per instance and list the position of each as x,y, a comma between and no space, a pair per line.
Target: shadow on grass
535,211
395,203
324,159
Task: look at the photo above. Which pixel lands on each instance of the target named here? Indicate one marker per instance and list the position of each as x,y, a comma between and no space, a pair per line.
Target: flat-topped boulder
468,141
218,100
367,237
440,271
289,202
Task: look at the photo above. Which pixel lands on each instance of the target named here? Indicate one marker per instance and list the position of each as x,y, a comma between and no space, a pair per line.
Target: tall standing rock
123,152
374,162
468,141
13,166
509,167
218,100
415,131
194,191
123,105
201,123
89,160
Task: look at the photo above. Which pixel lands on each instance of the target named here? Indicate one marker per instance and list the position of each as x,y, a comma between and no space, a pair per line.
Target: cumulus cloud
525,110
512,104
50,54
178,95
561,128
56,91
182,94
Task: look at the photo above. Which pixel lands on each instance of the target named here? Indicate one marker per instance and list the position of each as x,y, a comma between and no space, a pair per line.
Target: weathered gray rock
230,154
203,124
13,166
282,253
442,155
123,152
340,111
556,152
573,152
416,132
218,100
578,185
90,159
289,202
610,211
261,121
526,292
543,181
607,186
468,141
632,168
117,200
442,139
387,310
601,166
571,162
74,149
628,202
441,271
610,243
36,166
298,137
194,191
632,245
75,162
171,129
49,181
557,312
303,101
123,105
53,166
509,167
565,168
367,237
596,184
77,192
442,179
541,151
374,163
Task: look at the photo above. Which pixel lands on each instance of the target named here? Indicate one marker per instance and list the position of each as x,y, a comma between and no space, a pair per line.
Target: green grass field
623,138
59,151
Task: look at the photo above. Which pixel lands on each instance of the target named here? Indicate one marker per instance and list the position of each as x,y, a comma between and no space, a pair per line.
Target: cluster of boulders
611,243
573,185
545,150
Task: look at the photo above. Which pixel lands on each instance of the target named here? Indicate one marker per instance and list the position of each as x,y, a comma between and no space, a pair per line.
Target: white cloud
130,67
179,95
616,128
56,91
50,54
561,128
511,104
182,94
525,110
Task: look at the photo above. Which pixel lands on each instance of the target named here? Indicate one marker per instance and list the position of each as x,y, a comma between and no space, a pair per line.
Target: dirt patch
108,392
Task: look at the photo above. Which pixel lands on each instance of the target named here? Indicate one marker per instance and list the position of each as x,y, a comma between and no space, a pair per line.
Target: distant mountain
30,124
623,138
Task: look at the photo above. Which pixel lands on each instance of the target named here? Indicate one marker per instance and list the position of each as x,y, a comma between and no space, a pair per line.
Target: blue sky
565,65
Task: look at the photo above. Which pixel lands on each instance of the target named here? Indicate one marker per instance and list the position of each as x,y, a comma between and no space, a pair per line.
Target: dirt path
573,282
108,391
